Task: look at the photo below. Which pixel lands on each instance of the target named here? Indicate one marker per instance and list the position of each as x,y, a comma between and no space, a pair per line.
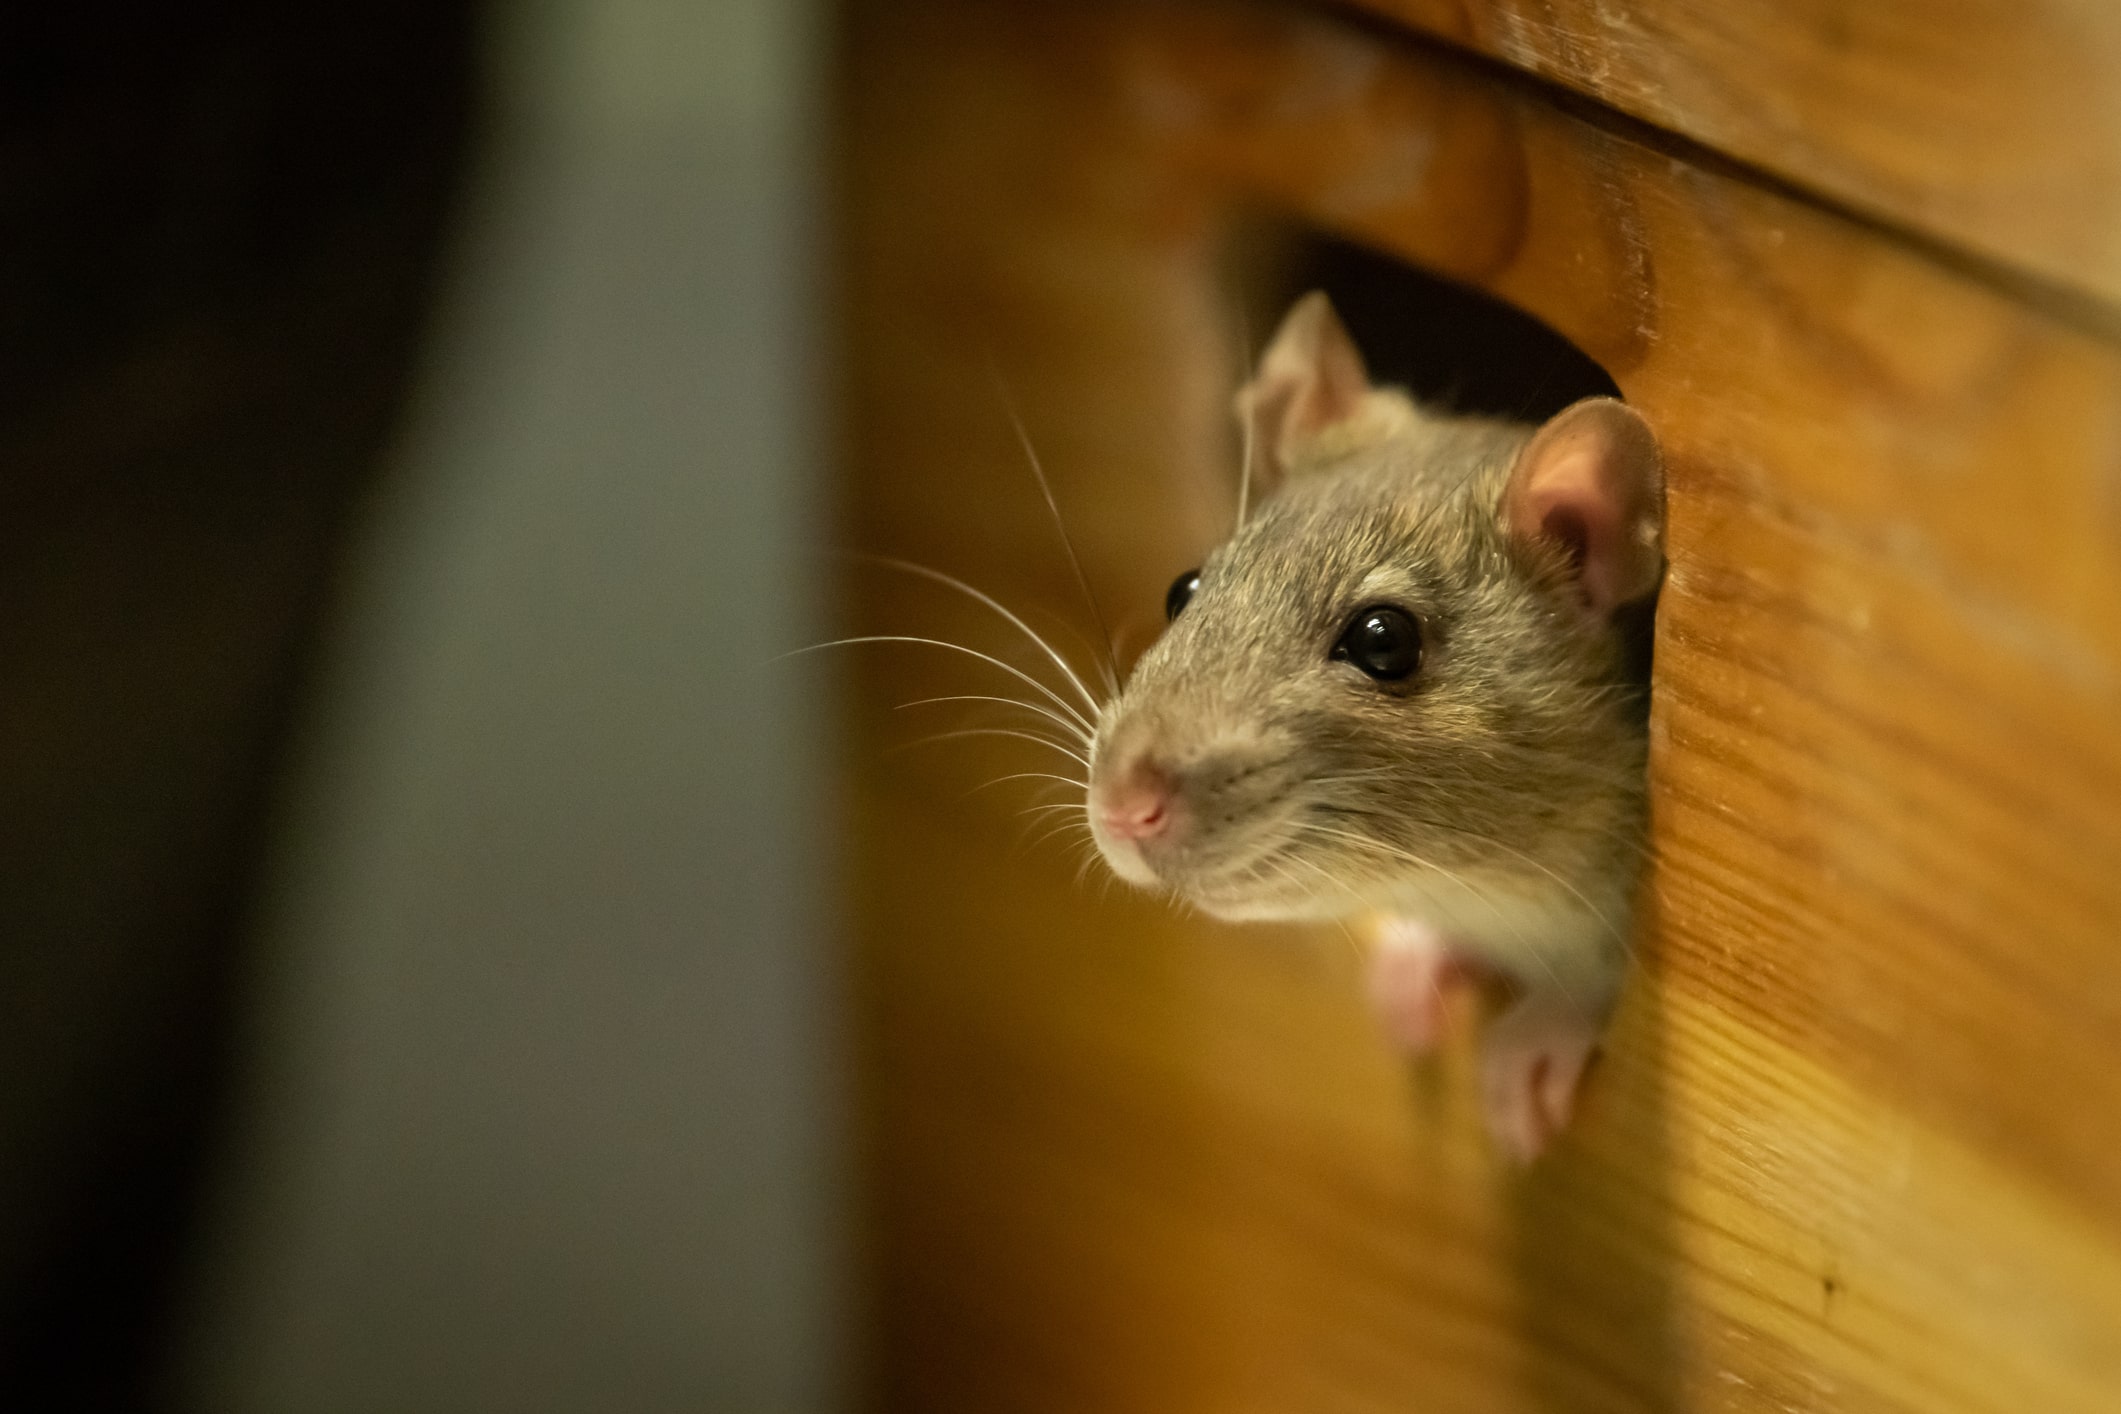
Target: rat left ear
1310,380
1591,483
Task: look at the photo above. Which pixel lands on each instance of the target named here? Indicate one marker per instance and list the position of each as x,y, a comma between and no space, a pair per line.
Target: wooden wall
1853,1144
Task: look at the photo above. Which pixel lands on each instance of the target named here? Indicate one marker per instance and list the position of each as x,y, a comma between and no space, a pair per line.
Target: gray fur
1511,765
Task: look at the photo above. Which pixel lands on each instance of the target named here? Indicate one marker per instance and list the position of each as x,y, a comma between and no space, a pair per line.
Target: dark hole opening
1452,346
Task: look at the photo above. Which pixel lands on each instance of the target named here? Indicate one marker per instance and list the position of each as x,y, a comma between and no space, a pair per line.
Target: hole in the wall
1452,346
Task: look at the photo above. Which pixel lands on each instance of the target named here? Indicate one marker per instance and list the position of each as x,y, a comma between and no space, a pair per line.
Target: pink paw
1411,975
1533,1060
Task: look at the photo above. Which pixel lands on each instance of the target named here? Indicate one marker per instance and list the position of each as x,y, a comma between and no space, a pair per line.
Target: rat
1406,688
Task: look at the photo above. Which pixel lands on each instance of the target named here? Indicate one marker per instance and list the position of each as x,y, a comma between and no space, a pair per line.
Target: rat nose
1137,805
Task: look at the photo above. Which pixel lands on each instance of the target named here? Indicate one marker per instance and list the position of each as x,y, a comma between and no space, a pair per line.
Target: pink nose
1137,806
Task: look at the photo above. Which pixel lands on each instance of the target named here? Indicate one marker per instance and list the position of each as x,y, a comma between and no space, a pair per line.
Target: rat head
1403,666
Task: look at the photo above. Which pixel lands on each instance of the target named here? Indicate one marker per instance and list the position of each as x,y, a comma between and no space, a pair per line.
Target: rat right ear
1310,379
1591,484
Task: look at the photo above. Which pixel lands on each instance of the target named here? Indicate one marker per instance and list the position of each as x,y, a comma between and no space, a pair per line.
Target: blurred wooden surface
1852,1147
1993,124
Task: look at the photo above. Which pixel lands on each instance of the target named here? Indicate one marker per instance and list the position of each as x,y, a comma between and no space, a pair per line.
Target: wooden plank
1991,124
1850,1149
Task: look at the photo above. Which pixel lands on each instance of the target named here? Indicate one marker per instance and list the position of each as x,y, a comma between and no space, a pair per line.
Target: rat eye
1383,642
1180,592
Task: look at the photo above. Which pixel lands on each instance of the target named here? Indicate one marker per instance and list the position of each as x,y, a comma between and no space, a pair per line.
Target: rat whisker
1595,911
1354,944
1282,866
1333,885
1352,777
1391,851
1026,776
1564,762
1244,475
1555,762
1019,674
953,582
1266,869
1460,828
1392,813
1073,805
1075,733
1001,731
1050,831
1078,638
1045,487
1397,852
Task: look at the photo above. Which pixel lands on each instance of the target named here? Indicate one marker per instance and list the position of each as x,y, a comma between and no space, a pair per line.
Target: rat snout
1137,814
1136,803
1170,807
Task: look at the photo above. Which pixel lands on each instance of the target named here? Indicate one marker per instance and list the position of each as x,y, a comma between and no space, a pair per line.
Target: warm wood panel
1995,124
1852,1146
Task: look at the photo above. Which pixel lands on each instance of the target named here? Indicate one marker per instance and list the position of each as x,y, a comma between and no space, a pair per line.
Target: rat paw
1533,1060
1411,974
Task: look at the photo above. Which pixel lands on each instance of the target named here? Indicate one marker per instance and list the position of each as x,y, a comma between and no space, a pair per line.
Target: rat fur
1489,807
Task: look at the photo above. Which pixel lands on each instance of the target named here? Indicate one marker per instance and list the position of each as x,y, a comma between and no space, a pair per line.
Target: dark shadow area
220,238
1450,345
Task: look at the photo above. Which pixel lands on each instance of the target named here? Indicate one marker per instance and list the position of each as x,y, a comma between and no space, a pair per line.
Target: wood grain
1994,125
1851,1147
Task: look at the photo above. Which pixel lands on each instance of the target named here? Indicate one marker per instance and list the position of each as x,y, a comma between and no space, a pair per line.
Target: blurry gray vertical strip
546,1116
